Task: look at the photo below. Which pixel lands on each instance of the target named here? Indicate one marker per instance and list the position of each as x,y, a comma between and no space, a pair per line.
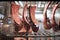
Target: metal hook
16,2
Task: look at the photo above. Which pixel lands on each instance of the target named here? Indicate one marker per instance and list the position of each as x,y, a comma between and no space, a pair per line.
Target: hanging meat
15,17
33,21
46,21
53,22
25,20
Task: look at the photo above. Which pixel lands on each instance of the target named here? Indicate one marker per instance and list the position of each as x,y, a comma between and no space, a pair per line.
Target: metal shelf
31,35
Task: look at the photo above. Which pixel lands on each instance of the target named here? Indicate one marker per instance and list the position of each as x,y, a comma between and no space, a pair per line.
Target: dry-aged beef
32,18
53,22
46,21
15,17
25,21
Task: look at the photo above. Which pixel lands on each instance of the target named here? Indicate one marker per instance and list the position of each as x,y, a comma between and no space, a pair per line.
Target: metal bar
34,36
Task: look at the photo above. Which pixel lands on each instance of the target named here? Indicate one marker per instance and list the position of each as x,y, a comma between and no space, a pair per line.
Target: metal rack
33,35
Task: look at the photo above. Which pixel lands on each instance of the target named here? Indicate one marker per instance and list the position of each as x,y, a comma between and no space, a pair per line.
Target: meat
15,16
33,21
46,21
20,24
53,22
26,23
